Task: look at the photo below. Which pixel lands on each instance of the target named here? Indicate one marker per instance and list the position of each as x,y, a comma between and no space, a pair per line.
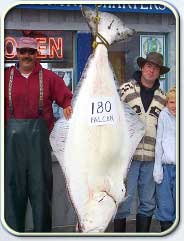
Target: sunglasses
29,51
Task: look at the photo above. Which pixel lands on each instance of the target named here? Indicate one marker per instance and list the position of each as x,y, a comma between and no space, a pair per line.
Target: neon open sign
48,47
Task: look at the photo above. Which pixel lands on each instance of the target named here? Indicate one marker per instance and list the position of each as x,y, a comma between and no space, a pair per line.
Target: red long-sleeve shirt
25,94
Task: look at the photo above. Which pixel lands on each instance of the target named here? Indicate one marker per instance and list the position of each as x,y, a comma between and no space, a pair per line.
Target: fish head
98,214
110,26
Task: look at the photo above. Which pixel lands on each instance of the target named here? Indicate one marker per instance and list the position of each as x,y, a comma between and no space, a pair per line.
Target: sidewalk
155,228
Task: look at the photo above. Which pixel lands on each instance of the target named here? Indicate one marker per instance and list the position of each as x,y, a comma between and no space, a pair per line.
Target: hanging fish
96,145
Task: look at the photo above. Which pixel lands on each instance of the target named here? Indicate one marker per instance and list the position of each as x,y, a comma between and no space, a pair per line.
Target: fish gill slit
107,193
102,198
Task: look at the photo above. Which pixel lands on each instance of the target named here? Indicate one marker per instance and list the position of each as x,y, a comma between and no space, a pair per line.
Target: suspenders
10,92
41,92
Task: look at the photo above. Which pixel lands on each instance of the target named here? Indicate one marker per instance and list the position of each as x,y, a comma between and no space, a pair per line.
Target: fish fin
136,128
58,138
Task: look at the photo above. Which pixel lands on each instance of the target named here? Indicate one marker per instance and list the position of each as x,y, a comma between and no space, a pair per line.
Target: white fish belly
95,154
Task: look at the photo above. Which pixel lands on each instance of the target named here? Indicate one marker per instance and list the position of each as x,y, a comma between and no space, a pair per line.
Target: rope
97,34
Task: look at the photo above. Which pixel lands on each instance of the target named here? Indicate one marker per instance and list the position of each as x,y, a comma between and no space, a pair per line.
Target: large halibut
95,147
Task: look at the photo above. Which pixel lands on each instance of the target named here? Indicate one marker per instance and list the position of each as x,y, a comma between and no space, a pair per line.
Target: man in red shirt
29,93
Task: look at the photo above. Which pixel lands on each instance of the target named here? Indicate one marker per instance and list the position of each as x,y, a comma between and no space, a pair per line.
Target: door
117,60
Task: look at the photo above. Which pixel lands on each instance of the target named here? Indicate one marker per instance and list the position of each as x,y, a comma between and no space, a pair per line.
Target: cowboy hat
155,58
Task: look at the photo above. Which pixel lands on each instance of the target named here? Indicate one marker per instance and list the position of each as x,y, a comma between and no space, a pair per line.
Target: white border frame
11,5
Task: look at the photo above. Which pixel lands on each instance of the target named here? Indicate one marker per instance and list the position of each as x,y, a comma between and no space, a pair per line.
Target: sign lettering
48,47
102,111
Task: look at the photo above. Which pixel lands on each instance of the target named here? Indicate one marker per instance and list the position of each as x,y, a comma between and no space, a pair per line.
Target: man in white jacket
165,163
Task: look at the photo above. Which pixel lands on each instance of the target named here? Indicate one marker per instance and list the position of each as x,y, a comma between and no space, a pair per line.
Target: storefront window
123,56
54,47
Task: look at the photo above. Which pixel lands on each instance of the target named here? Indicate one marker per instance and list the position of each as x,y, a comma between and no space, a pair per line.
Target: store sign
138,8
48,47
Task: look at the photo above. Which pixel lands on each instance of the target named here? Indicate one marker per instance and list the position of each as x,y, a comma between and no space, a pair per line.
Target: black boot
142,223
164,225
120,225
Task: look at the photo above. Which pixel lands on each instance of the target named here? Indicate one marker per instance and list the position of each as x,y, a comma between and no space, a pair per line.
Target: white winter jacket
165,149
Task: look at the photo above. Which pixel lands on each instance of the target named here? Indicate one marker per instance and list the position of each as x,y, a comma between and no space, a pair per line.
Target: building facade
65,40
